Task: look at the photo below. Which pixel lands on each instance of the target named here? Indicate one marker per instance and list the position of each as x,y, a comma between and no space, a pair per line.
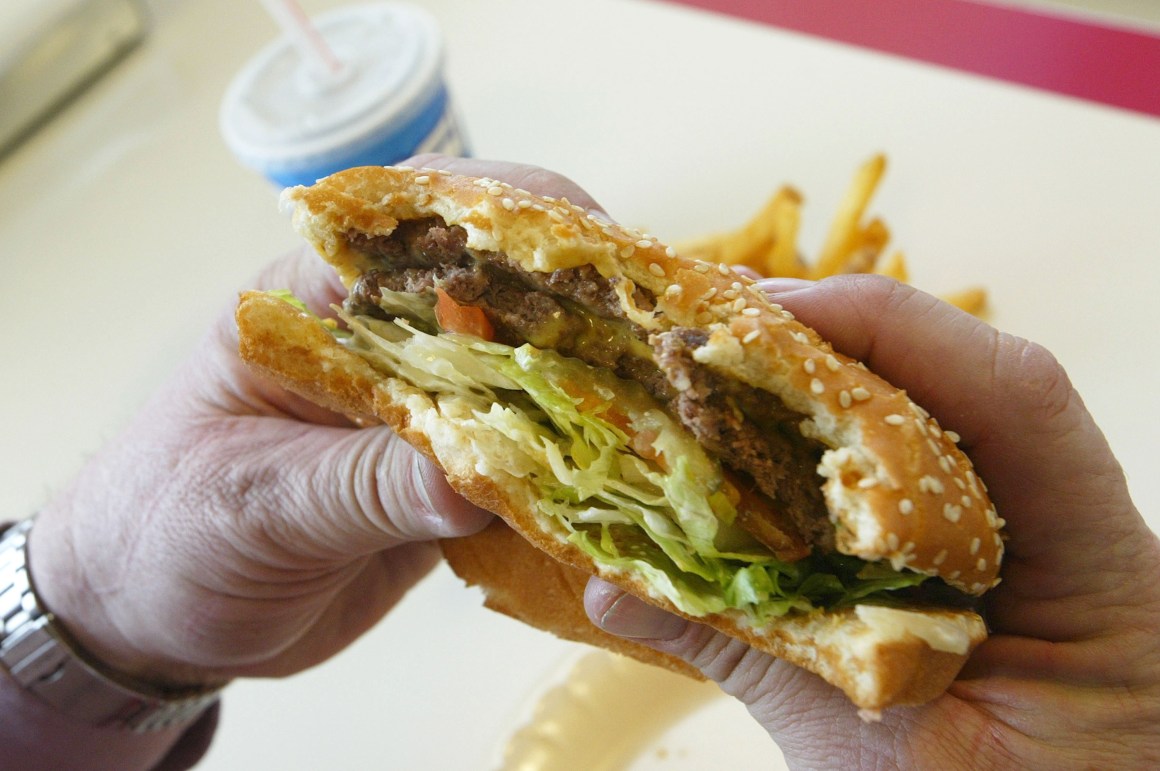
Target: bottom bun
873,654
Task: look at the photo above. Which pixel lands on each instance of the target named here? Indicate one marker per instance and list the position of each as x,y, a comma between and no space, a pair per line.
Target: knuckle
1030,377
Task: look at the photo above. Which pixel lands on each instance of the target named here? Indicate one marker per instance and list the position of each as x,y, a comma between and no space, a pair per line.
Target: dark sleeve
193,744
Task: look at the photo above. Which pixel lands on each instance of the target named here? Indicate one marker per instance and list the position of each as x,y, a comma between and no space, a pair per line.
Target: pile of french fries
768,243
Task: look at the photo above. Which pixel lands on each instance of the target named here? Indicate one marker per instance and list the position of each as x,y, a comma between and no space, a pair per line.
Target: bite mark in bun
646,418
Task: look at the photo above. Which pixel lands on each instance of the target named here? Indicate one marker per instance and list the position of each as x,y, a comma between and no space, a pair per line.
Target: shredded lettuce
569,428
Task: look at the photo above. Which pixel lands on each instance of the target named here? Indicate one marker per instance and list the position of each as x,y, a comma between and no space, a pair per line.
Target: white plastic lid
279,109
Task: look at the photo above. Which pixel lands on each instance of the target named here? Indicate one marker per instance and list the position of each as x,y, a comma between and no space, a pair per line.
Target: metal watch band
39,656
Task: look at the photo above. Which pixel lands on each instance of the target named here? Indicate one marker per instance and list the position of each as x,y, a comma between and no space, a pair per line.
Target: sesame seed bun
895,486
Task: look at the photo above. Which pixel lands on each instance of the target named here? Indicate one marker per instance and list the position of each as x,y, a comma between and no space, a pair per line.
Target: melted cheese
951,634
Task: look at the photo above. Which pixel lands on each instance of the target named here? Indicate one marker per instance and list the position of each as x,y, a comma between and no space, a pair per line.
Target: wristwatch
43,658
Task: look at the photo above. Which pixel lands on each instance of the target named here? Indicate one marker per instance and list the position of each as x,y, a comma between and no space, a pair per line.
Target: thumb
1049,469
783,698
333,493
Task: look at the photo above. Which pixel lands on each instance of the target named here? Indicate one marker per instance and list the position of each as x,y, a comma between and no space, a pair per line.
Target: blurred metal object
51,50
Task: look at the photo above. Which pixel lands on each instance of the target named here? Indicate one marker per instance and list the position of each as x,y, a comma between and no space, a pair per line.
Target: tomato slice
758,515
464,319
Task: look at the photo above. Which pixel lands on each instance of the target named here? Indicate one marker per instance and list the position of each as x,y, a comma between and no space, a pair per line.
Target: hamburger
641,417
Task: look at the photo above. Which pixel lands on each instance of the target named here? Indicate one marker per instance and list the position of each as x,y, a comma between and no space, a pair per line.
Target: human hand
1071,674
235,529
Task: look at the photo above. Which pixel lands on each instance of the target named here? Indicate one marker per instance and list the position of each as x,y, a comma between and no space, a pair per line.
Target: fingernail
601,215
634,618
780,285
446,512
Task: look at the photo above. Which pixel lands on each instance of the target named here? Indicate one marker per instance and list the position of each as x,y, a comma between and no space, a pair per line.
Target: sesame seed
845,400
952,512
954,437
975,543
892,541
644,243
523,203
934,429
939,558
832,363
405,168
905,506
674,290
729,294
750,312
817,386
423,180
860,394
750,336
443,172
1000,522
495,190
893,419
787,315
548,198
977,587
710,294
962,485
670,251
955,575
701,267
908,547
810,366
655,269
627,251
929,484
508,204
945,464
801,337
981,565
723,269
922,429
966,499
919,411
739,305
867,482
538,207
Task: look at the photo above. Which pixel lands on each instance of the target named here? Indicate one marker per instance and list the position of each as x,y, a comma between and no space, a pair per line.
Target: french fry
748,245
845,226
866,248
707,248
895,268
783,258
973,300
768,242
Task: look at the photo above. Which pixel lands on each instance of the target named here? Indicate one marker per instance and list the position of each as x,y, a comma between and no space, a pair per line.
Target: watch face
44,663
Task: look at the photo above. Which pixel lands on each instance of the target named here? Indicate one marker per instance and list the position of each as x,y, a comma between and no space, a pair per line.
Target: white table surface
125,226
